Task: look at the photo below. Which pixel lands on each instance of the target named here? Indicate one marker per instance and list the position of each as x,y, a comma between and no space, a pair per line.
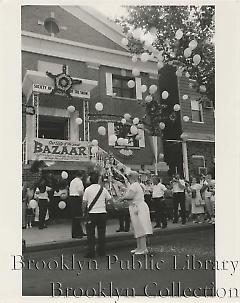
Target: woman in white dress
197,202
139,213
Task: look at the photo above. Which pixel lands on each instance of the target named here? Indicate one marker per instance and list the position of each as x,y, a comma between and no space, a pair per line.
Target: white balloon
185,97
79,121
187,74
202,88
178,34
131,83
152,89
64,175
196,59
127,116
120,141
71,109
133,130
94,149
62,204
123,121
125,142
184,137
135,120
33,204
99,106
143,88
148,98
95,142
124,41
102,130
136,72
112,138
176,107
137,33
144,57
193,44
187,52
162,125
134,58
186,118
165,94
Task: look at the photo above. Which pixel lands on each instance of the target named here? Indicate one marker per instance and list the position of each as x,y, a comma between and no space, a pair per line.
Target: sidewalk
59,234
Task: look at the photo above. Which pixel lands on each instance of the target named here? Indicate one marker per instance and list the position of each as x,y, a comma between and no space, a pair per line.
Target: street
175,263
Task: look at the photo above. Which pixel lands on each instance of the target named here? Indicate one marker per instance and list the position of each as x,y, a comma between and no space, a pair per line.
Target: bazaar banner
60,150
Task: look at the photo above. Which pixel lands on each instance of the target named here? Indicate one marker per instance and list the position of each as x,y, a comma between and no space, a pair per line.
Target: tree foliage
195,22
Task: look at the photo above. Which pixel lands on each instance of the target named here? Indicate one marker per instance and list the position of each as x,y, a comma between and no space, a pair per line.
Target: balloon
196,59
102,130
148,98
176,107
125,142
187,74
187,52
62,204
123,121
144,88
202,88
131,83
186,118
152,89
94,149
99,106
124,41
127,116
165,94
71,109
162,125
144,57
78,121
64,175
95,142
136,72
135,121
184,137
120,141
112,138
185,97
33,204
193,44
134,58
133,130
137,33
160,64
178,34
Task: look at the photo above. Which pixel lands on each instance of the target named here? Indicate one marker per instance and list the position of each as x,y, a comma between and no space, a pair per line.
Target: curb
114,238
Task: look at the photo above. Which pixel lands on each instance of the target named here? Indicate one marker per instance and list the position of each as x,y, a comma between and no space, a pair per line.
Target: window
197,114
121,89
116,85
123,131
53,127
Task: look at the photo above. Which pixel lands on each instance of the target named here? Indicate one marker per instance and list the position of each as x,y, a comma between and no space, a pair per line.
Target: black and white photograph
117,166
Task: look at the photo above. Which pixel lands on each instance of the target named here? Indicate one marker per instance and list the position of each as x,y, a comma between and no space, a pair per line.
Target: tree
184,38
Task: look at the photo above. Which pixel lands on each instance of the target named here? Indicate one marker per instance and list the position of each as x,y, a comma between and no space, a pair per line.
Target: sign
46,89
60,150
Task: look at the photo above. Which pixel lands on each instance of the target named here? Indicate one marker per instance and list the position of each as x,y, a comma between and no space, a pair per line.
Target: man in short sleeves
178,198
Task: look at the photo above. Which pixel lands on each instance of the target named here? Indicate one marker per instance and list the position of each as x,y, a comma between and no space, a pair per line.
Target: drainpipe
185,160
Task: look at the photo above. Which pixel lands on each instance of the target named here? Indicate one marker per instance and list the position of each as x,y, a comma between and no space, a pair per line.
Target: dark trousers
124,220
76,215
99,221
43,206
179,198
160,211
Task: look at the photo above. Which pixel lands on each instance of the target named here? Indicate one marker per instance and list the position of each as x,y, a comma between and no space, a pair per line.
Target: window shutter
109,88
110,132
138,88
142,140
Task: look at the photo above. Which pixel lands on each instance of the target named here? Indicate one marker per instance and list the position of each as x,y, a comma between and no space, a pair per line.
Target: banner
60,150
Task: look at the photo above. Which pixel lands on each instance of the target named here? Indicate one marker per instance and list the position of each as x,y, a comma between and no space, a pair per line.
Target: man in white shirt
178,187
76,190
208,191
97,214
159,203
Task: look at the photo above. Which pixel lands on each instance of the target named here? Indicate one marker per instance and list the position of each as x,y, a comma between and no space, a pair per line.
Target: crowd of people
88,199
